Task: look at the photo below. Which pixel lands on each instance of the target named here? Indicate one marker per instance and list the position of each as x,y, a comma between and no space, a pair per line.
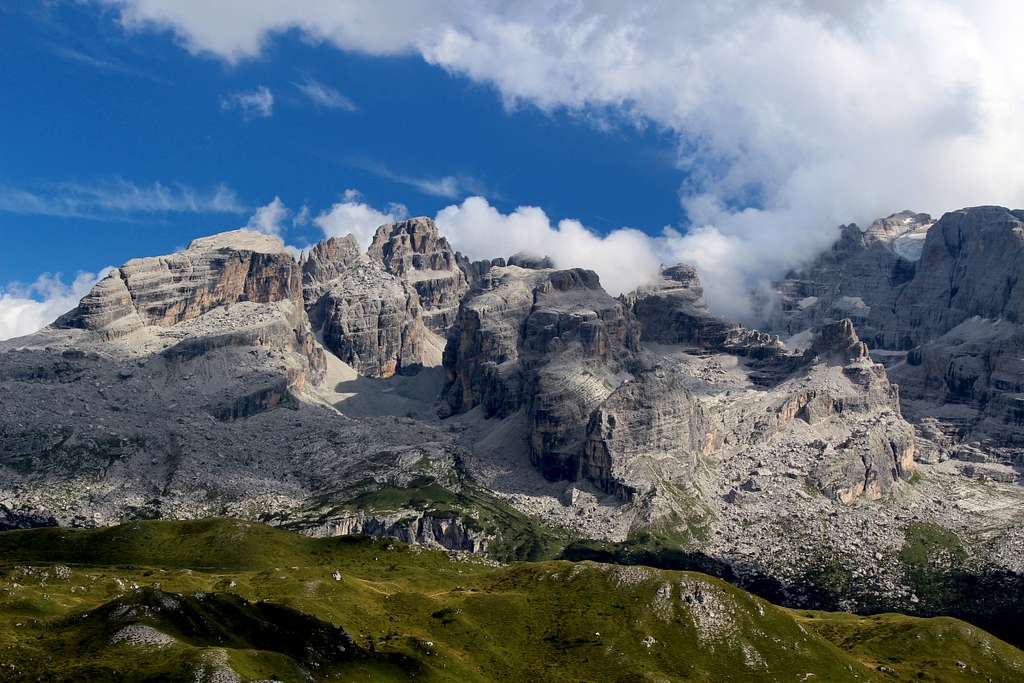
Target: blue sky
95,108
611,135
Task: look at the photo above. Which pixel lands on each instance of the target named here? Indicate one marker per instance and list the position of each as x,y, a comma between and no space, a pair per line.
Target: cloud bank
792,116
26,309
624,258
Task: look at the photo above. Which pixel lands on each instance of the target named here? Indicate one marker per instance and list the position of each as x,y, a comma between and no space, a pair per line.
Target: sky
735,136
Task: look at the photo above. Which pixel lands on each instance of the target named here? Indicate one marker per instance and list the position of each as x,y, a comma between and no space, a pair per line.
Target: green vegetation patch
203,599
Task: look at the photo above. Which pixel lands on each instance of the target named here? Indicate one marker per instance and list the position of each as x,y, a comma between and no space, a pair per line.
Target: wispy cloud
100,63
117,199
447,187
325,96
258,103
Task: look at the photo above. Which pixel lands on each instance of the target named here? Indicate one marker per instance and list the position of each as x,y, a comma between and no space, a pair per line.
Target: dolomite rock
166,290
551,342
939,301
637,420
648,430
430,529
672,311
972,265
857,279
413,251
973,378
326,262
371,320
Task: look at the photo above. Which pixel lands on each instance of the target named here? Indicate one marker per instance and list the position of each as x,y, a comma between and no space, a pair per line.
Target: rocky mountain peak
414,251
222,269
530,261
326,262
412,245
838,340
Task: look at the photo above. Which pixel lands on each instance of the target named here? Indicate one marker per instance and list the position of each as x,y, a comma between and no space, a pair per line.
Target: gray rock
953,305
414,251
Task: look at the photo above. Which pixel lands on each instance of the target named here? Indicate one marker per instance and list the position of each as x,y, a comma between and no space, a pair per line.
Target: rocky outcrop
972,264
549,342
637,420
649,430
938,301
371,320
672,311
432,529
413,251
857,279
367,316
972,378
326,262
166,290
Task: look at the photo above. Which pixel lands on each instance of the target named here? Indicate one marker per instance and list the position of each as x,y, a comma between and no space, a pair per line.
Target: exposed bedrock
672,311
941,302
550,342
612,391
166,290
413,251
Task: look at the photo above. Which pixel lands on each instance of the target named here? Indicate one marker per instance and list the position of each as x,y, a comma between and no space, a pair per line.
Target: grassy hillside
224,600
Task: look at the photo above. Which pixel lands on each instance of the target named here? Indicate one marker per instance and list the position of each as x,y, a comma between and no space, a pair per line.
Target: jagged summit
401,390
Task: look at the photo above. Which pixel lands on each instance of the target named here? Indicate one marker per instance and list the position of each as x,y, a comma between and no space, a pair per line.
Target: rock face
857,279
648,430
942,303
166,290
972,265
549,342
413,251
366,316
672,311
430,529
617,392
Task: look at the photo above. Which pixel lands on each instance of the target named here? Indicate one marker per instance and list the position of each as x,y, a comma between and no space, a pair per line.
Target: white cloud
269,219
115,198
26,309
446,187
353,215
812,111
624,258
325,96
252,103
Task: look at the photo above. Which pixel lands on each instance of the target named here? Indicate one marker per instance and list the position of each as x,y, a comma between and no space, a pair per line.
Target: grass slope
225,600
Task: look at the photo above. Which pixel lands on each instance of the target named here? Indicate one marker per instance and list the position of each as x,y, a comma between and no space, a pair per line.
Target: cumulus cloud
792,115
624,258
324,95
353,215
258,103
269,219
115,198
26,309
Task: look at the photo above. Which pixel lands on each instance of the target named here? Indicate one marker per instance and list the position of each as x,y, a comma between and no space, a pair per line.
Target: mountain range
862,451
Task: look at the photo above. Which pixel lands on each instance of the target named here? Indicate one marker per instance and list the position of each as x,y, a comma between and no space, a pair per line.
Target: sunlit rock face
414,251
